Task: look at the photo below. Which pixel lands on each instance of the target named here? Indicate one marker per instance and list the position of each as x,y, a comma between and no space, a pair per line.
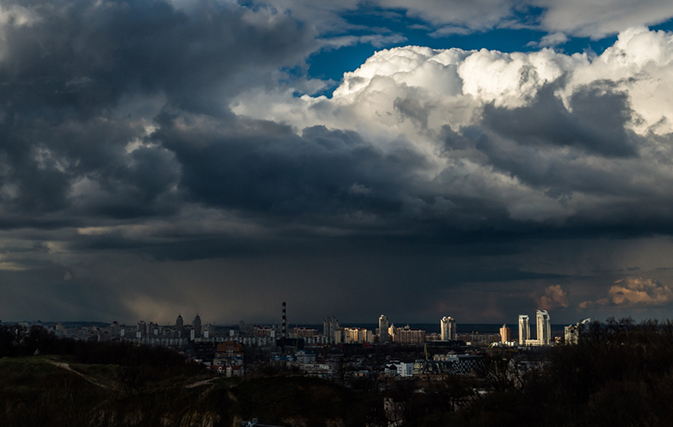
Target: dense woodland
620,374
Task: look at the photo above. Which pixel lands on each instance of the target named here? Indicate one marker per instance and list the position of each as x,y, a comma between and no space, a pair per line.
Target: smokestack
284,323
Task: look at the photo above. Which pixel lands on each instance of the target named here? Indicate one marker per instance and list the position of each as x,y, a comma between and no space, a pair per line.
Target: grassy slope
34,391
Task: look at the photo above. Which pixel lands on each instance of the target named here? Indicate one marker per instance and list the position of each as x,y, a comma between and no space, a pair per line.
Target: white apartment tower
524,329
383,328
543,327
448,327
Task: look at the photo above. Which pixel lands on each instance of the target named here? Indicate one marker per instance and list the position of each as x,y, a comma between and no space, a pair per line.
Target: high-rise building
141,331
448,327
358,335
524,329
197,326
179,324
383,328
330,326
391,332
505,334
543,327
114,329
337,335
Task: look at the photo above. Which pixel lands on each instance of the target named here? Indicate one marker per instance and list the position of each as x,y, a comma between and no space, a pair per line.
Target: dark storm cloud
119,158
583,151
118,111
267,168
81,80
594,122
86,55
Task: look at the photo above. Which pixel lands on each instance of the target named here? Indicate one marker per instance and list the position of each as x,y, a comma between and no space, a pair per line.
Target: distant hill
50,391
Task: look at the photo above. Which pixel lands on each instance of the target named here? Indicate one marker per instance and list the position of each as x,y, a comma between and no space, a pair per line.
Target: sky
475,159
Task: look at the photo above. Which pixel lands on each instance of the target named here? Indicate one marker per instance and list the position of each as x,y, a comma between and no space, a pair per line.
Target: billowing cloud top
539,136
150,136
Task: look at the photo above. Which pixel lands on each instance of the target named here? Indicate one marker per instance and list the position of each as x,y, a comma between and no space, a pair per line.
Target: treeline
619,374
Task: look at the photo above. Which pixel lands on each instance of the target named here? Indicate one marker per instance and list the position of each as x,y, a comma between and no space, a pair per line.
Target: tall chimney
284,323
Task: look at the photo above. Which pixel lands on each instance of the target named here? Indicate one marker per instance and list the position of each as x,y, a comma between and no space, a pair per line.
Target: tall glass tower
543,327
383,328
524,329
448,327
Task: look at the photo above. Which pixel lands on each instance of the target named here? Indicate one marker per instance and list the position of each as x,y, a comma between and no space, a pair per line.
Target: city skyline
447,328
179,334
473,159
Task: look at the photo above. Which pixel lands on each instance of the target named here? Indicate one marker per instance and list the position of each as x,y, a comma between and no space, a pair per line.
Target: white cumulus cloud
543,135
456,82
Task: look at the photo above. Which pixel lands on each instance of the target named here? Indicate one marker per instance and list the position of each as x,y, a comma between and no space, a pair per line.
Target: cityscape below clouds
336,213
525,333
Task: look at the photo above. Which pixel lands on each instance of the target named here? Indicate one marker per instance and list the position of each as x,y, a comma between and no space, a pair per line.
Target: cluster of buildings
231,350
385,333
228,359
154,334
181,334
543,327
543,330
544,333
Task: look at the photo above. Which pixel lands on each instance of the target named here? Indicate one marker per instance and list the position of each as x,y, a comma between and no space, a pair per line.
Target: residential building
141,332
407,335
543,327
263,331
448,328
330,325
505,334
383,328
358,335
179,324
524,329
303,332
404,369
197,326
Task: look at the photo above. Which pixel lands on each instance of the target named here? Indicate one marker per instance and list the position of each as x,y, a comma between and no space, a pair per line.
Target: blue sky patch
333,63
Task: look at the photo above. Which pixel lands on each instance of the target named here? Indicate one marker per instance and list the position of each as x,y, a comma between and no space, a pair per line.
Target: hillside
51,391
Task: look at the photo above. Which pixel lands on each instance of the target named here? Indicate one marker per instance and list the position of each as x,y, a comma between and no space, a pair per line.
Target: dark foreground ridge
618,374
46,391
